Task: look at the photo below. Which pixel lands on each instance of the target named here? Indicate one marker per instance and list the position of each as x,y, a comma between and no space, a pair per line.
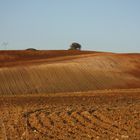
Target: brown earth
26,57
97,115
69,95
33,72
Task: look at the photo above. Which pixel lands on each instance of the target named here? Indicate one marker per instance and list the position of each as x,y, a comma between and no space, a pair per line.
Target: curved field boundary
85,123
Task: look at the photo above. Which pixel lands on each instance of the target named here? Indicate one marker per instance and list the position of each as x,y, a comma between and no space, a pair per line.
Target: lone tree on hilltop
75,46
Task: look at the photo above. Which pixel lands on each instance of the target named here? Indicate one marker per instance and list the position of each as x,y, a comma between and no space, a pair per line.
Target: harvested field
80,116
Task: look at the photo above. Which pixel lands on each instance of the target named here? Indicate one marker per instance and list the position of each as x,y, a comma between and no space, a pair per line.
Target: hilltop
33,72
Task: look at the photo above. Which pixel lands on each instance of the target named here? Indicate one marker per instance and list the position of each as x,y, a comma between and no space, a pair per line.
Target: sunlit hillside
31,72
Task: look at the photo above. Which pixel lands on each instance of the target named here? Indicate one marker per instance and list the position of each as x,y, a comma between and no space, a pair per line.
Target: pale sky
99,25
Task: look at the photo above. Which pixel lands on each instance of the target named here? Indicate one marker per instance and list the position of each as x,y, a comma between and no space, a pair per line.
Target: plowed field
81,116
69,95
64,71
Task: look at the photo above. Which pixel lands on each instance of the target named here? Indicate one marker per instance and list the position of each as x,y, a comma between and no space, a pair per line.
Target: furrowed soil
97,115
66,71
69,95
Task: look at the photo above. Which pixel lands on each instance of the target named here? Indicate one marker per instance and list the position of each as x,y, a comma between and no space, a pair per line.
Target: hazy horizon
99,25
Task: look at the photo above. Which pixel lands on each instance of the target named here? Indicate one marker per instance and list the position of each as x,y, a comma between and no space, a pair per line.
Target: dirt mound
69,71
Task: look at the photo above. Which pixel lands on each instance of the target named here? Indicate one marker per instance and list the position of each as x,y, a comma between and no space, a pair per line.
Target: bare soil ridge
34,72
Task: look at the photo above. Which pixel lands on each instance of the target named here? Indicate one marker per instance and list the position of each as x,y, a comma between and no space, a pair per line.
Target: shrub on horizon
75,46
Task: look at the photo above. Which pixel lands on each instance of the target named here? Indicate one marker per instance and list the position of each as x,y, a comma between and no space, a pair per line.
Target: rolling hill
33,72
